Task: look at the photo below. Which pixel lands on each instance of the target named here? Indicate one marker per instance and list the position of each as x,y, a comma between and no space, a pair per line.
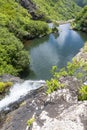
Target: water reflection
55,49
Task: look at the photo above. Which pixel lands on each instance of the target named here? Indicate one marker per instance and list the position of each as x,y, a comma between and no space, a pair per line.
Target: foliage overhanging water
53,50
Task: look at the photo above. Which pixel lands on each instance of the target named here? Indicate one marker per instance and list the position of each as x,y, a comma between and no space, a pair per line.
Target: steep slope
51,9
15,25
81,2
81,20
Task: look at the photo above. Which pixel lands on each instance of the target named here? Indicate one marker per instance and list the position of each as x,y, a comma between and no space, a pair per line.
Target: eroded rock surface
64,116
11,78
60,110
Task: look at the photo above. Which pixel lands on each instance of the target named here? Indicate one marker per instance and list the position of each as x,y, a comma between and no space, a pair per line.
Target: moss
30,121
4,86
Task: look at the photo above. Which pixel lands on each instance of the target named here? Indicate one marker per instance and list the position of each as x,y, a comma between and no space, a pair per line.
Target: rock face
63,116
32,9
60,110
8,77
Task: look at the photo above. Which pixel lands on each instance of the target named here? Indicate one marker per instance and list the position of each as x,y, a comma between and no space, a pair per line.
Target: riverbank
80,23
63,22
50,112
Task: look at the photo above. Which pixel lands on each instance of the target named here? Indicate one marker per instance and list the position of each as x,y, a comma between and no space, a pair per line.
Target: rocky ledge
60,110
10,78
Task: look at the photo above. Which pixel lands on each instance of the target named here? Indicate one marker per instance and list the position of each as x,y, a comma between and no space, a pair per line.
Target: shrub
13,58
54,84
83,93
81,20
76,68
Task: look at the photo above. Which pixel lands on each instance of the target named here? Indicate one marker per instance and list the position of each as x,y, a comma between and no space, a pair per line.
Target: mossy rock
4,86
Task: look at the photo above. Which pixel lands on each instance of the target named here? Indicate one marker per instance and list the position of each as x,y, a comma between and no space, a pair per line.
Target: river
54,49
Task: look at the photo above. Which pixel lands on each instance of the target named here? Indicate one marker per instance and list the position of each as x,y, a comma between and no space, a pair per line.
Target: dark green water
54,49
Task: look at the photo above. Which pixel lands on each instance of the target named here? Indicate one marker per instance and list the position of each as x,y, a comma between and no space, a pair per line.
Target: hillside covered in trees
51,9
81,20
16,24
35,36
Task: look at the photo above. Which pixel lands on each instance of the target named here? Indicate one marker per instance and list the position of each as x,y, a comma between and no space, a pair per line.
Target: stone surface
60,110
8,77
73,117
32,9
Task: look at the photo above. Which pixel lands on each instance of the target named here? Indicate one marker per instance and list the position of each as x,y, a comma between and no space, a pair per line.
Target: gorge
43,99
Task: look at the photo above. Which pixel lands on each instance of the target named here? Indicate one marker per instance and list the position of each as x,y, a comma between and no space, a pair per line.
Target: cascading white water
85,83
18,91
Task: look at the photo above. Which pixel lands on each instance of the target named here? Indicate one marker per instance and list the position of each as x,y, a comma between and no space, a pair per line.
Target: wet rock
60,110
10,78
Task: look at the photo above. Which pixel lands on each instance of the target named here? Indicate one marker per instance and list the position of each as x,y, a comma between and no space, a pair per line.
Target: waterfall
19,91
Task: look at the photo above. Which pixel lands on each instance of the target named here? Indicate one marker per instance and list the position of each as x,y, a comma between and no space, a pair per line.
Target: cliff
51,10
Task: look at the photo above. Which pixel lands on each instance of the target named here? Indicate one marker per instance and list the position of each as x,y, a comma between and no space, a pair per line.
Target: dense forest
81,20
16,24
51,9
43,64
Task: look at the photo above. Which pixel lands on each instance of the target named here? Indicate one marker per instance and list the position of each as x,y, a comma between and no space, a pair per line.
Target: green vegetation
13,58
70,70
85,48
16,25
4,86
81,20
30,121
83,93
18,20
53,84
57,10
77,68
